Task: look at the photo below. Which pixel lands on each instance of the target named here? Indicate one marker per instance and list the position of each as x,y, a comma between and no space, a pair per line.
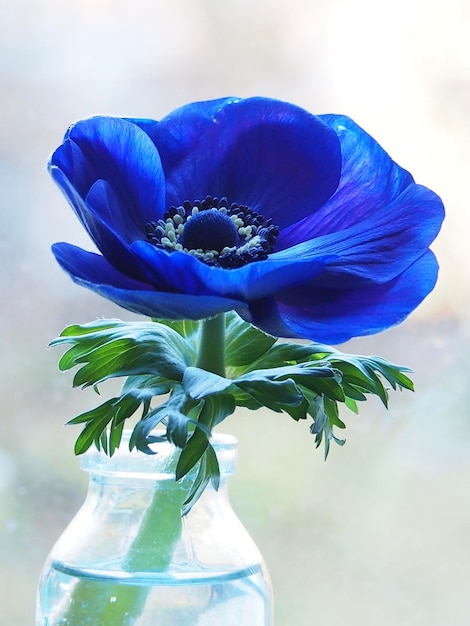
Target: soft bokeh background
379,533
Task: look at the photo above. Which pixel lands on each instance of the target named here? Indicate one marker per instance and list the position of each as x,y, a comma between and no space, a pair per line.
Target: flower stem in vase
111,603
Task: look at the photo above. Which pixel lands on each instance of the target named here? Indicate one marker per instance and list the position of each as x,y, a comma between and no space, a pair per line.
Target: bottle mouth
161,465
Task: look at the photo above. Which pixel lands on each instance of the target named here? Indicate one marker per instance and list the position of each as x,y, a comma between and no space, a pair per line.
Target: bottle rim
161,464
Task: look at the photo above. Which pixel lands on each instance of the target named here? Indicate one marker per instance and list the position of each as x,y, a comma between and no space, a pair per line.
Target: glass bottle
129,558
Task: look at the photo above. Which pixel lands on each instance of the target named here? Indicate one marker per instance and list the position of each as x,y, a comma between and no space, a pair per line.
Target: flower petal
179,133
380,247
94,272
332,315
272,156
256,280
101,200
369,181
119,152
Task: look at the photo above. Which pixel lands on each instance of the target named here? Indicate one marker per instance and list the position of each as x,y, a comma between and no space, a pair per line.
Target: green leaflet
111,348
244,344
159,358
104,424
185,328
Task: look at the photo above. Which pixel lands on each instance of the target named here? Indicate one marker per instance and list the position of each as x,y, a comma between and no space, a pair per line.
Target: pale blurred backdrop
379,534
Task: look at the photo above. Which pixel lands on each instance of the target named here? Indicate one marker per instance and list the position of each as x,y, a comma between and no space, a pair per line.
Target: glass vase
129,558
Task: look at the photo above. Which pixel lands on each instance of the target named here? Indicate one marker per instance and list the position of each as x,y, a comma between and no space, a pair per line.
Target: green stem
212,347
110,604
160,530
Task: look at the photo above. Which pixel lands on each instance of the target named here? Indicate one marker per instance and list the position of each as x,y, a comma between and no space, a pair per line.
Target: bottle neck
154,471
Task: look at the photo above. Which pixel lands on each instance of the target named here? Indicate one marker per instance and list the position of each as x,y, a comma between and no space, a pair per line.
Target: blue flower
300,223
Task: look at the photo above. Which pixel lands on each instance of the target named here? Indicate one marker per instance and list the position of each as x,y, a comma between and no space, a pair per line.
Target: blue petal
179,133
94,272
253,281
272,156
332,315
101,201
120,153
369,180
381,246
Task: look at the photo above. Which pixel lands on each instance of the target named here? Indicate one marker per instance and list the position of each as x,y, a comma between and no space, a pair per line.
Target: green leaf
244,343
114,411
177,424
115,435
146,387
177,413
214,410
325,416
140,434
198,448
117,349
329,387
287,353
75,330
199,383
185,328
272,394
395,374
195,448
302,371
160,358
213,468
352,404
218,409
299,411
197,488
208,471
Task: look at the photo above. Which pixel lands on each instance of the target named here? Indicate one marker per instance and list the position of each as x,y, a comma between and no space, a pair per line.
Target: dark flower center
209,230
214,232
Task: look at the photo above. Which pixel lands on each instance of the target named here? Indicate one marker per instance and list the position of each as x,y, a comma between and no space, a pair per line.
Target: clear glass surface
128,558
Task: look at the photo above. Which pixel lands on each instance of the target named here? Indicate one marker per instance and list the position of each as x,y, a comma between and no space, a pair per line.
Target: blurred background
379,533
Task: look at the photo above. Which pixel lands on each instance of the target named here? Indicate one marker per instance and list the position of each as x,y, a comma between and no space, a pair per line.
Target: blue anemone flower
302,224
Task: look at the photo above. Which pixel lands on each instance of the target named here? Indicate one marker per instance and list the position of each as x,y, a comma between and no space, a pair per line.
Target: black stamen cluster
264,230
